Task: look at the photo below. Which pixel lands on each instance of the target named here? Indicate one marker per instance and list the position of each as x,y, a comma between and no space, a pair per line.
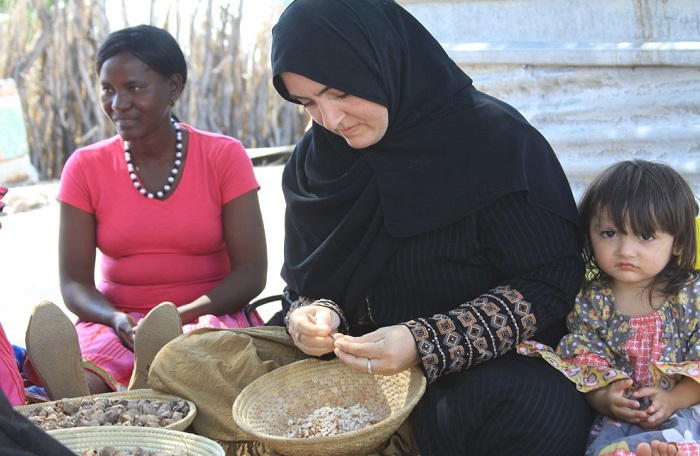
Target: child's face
631,258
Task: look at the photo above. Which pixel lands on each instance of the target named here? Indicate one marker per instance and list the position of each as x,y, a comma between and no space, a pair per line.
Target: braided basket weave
149,394
264,408
147,439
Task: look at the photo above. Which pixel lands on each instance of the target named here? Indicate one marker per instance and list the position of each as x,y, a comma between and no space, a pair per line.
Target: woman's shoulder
211,138
94,154
215,148
100,147
223,160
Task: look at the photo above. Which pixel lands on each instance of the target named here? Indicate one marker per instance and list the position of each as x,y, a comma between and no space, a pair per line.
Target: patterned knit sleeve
538,255
475,332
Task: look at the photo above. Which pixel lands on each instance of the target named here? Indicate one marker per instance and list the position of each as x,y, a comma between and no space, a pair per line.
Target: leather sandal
161,325
54,352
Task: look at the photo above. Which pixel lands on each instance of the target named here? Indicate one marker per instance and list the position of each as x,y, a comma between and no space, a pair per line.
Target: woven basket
264,408
133,394
127,438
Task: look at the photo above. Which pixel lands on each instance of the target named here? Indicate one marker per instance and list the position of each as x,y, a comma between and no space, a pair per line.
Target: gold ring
369,365
297,336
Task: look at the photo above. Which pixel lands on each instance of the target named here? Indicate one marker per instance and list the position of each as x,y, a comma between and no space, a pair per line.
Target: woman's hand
392,349
124,326
312,329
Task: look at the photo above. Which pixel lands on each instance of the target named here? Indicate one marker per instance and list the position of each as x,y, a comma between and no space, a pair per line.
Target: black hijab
449,149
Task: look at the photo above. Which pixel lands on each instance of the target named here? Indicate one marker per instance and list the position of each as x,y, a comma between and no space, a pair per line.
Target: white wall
603,80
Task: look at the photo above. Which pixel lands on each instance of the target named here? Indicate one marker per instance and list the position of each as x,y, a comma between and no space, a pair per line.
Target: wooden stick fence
48,48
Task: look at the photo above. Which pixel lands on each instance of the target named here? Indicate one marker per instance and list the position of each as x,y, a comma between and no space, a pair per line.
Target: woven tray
133,394
264,408
127,438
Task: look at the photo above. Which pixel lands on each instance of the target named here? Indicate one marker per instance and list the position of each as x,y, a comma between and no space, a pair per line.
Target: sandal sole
54,350
161,325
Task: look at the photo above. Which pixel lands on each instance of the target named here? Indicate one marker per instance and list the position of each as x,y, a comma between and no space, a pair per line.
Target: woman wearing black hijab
427,224
437,222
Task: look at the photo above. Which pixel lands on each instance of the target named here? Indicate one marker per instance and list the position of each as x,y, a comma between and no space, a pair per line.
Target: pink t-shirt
10,378
153,250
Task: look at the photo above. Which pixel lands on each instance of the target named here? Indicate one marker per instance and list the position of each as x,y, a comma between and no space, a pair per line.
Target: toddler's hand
660,408
613,400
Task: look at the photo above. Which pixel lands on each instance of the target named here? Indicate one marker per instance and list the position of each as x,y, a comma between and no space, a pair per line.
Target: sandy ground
29,252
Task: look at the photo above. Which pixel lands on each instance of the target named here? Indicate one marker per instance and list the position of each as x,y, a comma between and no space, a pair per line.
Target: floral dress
657,349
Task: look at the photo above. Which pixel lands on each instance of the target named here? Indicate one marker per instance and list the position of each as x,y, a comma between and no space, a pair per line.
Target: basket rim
144,393
145,437
399,416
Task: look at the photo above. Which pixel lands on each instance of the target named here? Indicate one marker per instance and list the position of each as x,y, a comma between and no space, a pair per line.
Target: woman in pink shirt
174,212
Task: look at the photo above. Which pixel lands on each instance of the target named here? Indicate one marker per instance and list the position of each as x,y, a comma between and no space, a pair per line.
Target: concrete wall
603,80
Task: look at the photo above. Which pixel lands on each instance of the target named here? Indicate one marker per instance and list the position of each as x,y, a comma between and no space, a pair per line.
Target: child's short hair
646,197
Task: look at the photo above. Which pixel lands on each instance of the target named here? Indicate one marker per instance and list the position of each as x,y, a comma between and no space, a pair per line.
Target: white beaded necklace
173,173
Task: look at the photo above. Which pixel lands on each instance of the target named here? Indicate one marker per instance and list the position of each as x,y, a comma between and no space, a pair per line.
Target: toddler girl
634,342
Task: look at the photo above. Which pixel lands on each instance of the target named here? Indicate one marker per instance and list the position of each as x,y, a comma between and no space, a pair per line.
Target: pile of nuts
104,411
327,421
136,451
